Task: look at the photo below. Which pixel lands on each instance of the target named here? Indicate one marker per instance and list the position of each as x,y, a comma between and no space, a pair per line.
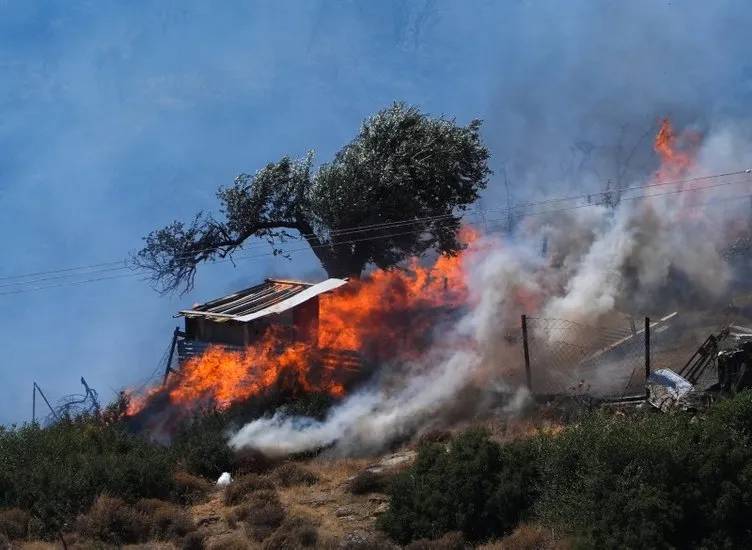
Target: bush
314,405
245,485
230,541
265,514
450,541
190,489
55,473
368,481
14,523
293,533
252,461
652,480
201,445
475,486
530,537
170,522
290,474
643,480
194,541
112,520
434,436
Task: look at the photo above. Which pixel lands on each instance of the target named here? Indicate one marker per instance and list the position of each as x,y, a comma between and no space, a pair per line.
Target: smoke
645,254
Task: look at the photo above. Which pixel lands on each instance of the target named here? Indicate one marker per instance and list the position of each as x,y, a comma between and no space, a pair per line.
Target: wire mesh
571,357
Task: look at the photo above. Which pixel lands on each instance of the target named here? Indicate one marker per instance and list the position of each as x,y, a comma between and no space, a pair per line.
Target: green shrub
55,473
474,486
652,480
200,445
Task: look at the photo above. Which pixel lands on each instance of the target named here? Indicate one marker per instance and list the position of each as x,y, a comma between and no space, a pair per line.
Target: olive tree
397,190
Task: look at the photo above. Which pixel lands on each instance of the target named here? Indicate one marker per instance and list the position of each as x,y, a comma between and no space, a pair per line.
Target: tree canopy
397,190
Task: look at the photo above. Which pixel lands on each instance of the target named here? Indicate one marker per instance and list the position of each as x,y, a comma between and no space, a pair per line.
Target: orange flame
384,315
677,153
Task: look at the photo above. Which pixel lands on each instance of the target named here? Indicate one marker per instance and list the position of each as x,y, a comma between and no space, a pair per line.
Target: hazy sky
118,117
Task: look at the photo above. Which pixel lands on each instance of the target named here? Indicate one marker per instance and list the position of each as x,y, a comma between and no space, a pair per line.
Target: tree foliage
397,190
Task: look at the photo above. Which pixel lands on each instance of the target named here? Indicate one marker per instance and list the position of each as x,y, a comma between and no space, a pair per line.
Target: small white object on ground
224,480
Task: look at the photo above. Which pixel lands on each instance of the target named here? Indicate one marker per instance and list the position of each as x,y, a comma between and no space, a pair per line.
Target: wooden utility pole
34,403
528,377
168,367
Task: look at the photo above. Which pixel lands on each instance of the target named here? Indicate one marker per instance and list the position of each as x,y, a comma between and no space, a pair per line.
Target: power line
123,264
392,235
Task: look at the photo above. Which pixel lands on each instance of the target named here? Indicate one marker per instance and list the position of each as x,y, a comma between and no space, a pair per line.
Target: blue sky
118,117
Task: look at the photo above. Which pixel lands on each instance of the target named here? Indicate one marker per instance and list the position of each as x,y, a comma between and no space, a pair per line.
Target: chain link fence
564,356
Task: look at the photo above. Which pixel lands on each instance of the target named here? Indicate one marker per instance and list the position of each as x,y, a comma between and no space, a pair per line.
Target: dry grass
528,537
294,532
292,515
111,520
194,541
171,523
36,545
166,520
191,489
319,502
244,486
14,523
450,541
290,474
229,541
264,514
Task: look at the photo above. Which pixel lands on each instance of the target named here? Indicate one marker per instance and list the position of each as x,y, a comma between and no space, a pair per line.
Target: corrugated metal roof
271,296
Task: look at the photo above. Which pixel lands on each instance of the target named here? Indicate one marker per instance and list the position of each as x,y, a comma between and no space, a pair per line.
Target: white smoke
599,261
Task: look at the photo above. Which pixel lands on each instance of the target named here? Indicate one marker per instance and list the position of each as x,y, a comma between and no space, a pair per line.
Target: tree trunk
338,261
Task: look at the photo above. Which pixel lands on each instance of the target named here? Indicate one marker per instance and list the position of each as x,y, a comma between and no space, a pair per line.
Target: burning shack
240,319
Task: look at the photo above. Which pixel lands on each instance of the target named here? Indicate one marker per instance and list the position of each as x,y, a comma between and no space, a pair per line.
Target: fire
382,316
677,153
384,308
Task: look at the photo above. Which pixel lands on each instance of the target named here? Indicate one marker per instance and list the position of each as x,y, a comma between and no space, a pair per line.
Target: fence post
647,353
34,403
528,378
